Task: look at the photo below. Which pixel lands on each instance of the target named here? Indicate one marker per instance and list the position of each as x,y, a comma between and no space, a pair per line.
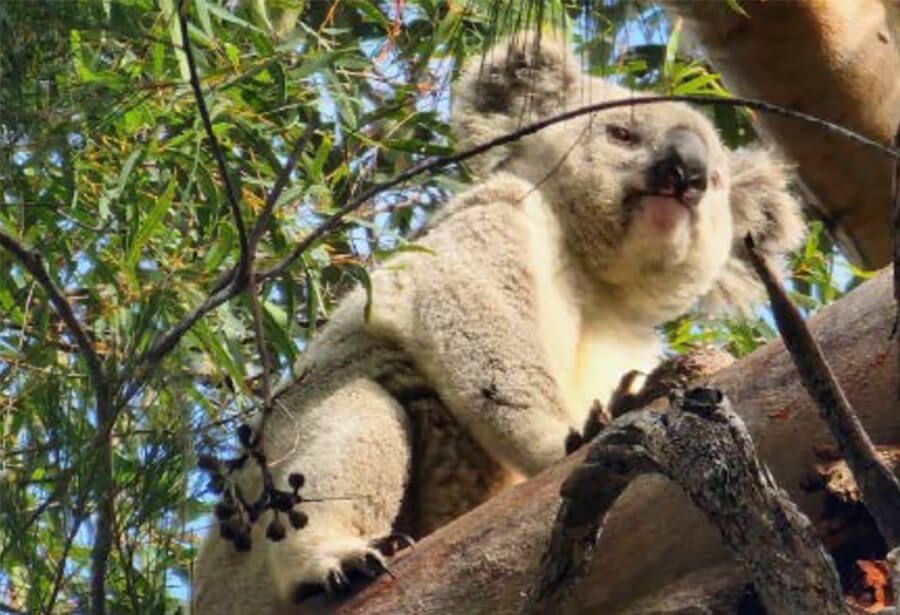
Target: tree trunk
485,561
836,59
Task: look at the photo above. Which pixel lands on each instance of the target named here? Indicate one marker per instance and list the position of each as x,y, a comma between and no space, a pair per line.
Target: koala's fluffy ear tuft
763,205
522,78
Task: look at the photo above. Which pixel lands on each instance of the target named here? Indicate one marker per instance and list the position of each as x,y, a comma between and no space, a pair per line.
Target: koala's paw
675,373
332,568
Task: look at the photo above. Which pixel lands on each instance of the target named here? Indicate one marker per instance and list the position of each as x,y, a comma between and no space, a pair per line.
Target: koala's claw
623,400
391,543
596,421
336,582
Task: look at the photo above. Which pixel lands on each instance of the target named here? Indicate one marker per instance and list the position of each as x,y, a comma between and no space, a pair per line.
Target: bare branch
895,189
214,143
258,229
880,489
32,261
484,562
256,313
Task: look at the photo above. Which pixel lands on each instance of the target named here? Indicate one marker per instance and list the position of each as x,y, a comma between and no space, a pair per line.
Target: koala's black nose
680,167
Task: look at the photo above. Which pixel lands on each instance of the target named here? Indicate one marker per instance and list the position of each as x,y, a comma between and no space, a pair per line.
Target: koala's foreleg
490,370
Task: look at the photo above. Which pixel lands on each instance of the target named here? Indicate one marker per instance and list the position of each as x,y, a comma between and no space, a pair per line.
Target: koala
540,287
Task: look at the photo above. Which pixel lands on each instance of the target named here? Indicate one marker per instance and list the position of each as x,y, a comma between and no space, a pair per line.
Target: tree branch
33,262
105,416
281,183
484,562
233,200
879,487
435,164
701,445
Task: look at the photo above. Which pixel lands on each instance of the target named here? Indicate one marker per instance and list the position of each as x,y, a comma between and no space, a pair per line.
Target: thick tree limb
485,561
701,445
879,487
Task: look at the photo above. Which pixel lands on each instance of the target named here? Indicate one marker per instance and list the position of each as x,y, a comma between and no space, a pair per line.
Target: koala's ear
521,79
763,205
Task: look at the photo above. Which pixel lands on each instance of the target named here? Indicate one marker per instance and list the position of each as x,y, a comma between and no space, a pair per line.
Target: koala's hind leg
352,444
350,440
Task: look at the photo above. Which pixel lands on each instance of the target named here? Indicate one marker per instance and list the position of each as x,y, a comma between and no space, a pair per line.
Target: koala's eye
622,135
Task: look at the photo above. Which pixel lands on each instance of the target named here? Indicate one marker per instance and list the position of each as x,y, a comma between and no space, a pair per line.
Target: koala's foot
676,373
332,567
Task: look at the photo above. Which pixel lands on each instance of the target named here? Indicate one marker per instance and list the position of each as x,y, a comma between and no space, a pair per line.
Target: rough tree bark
703,447
836,59
484,562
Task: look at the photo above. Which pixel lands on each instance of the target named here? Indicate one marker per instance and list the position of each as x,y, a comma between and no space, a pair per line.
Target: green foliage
107,173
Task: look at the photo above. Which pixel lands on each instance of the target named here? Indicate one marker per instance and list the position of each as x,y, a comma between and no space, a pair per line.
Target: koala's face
654,209
642,194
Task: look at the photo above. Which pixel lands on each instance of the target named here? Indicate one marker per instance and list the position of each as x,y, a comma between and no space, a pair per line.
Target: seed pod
242,540
224,510
296,480
208,463
229,529
216,484
298,519
281,500
275,531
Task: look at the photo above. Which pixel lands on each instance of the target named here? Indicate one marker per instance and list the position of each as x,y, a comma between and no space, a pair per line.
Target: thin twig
438,163
32,261
70,539
280,183
104,415
214,142
258,229
256,313
879,487
896,246
227,291
227,288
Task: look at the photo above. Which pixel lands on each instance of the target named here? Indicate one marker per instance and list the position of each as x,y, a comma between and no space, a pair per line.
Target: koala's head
653,207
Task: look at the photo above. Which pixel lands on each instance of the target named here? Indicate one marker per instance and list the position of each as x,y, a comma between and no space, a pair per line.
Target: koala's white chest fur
589,347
